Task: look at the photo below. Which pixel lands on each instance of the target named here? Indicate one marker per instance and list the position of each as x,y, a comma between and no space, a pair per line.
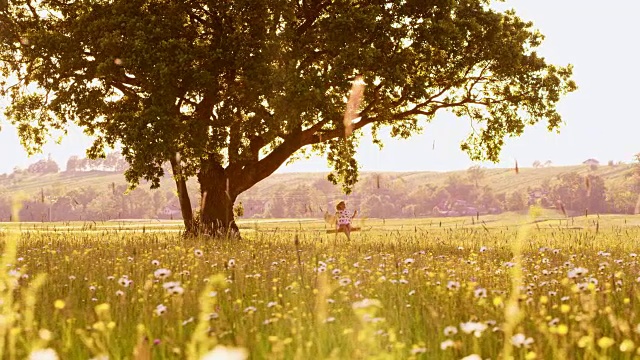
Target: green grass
389,293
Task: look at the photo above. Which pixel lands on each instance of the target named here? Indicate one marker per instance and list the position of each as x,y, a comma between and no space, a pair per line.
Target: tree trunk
217,200
183,197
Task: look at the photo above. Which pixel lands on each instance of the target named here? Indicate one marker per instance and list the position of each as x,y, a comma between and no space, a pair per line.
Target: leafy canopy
247,84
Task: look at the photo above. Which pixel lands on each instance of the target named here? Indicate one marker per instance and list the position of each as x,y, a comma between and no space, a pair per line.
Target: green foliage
580,193
244,85
516,201
238,210
48,166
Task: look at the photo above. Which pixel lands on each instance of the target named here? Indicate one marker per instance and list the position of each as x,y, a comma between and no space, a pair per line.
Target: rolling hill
501,180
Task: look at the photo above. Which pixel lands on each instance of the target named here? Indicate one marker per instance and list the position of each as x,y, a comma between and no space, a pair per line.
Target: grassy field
516,285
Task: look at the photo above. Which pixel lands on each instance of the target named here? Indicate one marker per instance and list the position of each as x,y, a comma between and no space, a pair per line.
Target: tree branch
312,16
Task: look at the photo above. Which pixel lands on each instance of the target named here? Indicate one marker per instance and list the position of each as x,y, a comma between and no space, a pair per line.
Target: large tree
228,91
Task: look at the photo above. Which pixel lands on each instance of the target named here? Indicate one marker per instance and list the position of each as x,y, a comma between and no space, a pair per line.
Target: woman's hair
339,205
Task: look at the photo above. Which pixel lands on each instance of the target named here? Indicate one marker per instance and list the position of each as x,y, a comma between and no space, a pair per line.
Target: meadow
515,286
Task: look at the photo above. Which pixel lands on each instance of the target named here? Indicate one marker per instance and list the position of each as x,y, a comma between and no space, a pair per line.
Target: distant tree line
111,162
388,196
376,195
92,203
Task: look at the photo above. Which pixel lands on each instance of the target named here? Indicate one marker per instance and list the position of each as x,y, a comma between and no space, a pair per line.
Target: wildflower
213,316
198,252
44,334
226,353
155,262
345,281
160,310
453,285
480,293
189,320
450,330
330,319
483,249
124,281
627,346
170,285
271,304
582,286
119,293
59,304
43,354
408,261
575,272
250,309
446,344
72,277
336,271
520,340
562,329
92,288
231,262
177,290
418,350
162,273
473,327
366,303
584,341
472,357
412,292
605,342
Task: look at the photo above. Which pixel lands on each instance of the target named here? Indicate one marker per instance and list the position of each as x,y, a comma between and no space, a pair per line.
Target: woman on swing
343,219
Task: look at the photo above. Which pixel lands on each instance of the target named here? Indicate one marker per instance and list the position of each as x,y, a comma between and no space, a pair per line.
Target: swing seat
334,231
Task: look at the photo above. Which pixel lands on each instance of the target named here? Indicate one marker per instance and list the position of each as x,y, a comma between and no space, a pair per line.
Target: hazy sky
598,38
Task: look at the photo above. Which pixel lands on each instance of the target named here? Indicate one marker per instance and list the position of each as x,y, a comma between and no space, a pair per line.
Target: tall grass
526,292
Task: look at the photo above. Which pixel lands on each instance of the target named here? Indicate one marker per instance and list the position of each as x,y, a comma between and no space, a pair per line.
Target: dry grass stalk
355,98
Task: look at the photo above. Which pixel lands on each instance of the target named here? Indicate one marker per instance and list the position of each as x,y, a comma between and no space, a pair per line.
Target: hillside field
501,180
